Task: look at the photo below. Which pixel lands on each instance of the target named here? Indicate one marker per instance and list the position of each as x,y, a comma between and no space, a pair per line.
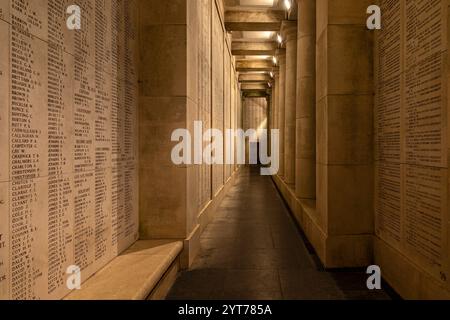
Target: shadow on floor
253,250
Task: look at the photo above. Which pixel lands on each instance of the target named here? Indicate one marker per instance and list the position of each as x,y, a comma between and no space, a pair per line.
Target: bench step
132,275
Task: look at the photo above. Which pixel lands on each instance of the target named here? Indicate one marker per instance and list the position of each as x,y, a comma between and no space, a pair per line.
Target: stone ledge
132,275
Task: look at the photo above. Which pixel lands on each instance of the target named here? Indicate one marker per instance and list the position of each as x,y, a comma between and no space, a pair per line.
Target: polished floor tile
253,250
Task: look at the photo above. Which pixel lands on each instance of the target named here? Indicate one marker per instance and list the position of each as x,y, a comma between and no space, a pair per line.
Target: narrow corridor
239,261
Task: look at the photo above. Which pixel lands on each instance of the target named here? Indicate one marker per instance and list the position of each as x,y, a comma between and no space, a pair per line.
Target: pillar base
334,251
192,242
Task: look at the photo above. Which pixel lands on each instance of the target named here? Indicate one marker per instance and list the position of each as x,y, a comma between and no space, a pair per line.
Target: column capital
289,30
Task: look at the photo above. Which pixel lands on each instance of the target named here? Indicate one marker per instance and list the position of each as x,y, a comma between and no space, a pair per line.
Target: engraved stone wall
411,171
68,178
205,94
217,92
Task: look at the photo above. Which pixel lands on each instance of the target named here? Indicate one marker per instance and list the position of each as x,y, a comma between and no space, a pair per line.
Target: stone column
305,167
281,100
276,85
344,114
289,30
274,115
168,101
269,116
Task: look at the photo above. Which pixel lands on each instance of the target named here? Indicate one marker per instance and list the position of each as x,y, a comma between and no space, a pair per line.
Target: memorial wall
204,87
218,49
68,165
218,94
411,146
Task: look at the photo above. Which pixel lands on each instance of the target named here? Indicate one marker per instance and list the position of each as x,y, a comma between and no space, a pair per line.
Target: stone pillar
274,114
305,166
168,95
344,114
276,86
269,116
289,30
281,100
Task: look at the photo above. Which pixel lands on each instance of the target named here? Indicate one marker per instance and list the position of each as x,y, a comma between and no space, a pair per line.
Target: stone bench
145,271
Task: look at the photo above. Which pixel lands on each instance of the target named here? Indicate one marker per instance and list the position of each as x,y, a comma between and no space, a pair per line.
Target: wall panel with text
411,126
68,178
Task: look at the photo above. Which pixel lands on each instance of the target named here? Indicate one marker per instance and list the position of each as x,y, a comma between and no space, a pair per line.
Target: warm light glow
279,38
257,3
271,74
274,59
287,4
257,57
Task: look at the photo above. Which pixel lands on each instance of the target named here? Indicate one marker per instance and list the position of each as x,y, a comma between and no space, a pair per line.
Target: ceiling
254,26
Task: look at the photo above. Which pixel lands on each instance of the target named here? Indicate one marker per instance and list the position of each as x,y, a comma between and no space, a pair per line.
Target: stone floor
253,250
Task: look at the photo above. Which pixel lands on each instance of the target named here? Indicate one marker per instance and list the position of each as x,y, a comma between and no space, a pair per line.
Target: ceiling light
287,4
279,38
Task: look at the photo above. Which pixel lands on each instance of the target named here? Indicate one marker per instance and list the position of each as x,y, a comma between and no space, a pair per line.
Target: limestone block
305,182
424,198
159,117
4,100
154,12
349,51
217,92
322,203
67,112
401,274
347,198
192,205
306,65
290,105
31,261
5,11
162,203
227,103
167,77
348,12
282,111
322,129
4,241
191,246
322,66
322,17
165,285
166,247
388,202
39,10
307,18
408,280
306,138
345,131
192,60
131,276
84,47
349,251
